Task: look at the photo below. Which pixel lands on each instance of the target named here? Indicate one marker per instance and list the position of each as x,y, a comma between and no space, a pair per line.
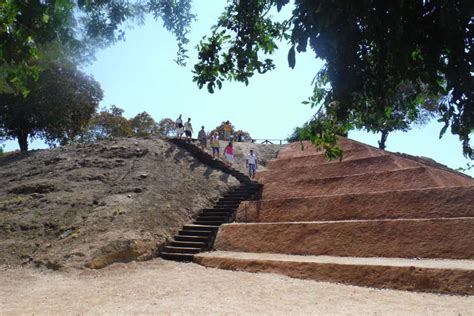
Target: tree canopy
370,48
58,107
110,124
31,31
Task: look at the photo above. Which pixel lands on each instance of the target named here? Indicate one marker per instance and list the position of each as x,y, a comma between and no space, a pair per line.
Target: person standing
227,131
188,130
202,137
215,144
251,163
179,126
229,154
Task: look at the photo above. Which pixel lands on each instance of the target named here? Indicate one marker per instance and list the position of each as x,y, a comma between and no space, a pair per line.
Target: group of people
187,129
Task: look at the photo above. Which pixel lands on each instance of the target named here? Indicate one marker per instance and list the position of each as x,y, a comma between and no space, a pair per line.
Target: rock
138,190
143,175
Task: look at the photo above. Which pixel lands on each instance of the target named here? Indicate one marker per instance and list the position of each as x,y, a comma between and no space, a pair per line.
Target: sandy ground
169,288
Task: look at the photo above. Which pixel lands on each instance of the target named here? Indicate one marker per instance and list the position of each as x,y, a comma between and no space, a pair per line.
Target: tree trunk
23,141
383,139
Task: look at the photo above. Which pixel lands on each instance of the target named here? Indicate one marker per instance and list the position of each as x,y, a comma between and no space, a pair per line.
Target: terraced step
403,179
217,210
434,275
177,256
317,159
343,168
417,203
408,238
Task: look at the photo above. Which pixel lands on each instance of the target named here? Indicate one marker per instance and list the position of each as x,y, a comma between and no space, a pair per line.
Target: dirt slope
92,205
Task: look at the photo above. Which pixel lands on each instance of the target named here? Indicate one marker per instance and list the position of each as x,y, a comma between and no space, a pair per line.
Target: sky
139,75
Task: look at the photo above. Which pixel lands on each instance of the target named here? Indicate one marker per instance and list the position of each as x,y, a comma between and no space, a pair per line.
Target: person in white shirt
179,126
188,130
251,163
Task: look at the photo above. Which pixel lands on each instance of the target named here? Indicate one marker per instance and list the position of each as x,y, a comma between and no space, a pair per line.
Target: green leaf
291,57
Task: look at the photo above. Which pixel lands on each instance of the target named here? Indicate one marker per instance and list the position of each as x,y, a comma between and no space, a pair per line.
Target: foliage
323,132
166,127
58,107
143,125
106,124
110,124
28,28
370,48
410,106
220,131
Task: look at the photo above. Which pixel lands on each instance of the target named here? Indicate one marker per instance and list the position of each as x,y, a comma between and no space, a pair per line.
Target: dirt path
167,288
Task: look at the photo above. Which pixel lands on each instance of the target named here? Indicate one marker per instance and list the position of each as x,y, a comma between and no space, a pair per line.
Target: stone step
408,238
212,214
403,179
231,199
191,244
212,218
439,276
177,256
204,239
199,227
192,232
186,250
417,203
215,223
217,210
230,207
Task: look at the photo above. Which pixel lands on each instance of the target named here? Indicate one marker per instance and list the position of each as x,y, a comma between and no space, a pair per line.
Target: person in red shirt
229,154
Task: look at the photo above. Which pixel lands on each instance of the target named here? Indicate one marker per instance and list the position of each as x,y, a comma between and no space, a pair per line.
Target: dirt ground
113,201
169,288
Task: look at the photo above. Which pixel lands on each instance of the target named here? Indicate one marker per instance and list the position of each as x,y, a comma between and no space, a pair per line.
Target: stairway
375,219
200,235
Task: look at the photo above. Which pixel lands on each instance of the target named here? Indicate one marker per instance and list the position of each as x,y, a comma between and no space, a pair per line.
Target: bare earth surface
169,288
113,201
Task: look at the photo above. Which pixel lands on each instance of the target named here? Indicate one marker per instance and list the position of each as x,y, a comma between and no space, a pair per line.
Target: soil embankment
91,205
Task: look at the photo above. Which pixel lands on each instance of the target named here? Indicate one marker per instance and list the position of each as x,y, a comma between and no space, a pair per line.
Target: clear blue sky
140,75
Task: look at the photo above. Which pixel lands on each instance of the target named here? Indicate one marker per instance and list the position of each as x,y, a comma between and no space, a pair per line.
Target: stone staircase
200,235
374,219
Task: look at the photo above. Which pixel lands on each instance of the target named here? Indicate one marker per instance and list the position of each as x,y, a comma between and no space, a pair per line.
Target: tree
143,125
28,29
166,127
106,124
410,107
220,130
58,107
110,123
370,47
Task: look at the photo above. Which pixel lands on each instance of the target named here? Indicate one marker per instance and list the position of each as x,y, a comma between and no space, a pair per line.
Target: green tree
166,127
106,124
110,123
58,107
370,48
143,125
28,30
220,130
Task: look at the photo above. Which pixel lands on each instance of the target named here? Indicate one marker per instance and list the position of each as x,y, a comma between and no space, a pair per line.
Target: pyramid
375,218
